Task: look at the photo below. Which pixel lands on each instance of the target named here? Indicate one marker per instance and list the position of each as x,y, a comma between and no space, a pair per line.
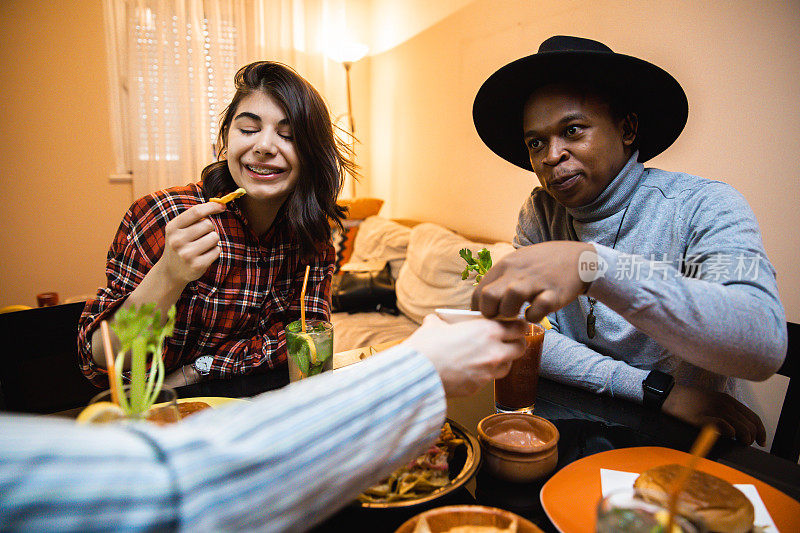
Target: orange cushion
361,208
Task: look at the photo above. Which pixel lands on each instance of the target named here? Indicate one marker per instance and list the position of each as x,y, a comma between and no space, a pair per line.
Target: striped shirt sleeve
284,461
58,476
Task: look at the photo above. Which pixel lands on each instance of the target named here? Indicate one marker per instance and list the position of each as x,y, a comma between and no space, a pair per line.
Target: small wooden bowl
444,518
518,462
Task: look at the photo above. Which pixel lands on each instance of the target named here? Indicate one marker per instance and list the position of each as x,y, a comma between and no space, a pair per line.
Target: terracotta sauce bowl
518,447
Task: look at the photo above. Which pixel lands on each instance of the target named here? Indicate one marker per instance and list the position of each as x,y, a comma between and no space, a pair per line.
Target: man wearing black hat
657,282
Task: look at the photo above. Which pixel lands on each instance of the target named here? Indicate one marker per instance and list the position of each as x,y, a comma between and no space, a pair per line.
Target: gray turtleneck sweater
689,289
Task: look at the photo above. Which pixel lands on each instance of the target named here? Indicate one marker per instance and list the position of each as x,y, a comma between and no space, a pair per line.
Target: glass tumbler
516,392
309,353
624,511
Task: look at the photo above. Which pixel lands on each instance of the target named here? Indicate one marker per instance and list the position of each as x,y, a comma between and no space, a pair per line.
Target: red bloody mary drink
517,391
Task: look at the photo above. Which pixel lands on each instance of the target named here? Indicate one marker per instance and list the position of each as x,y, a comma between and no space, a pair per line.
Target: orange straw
112,375
700,448
303,300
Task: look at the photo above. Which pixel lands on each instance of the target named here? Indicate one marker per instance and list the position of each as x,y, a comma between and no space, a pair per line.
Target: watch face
658,382
655,388
203,364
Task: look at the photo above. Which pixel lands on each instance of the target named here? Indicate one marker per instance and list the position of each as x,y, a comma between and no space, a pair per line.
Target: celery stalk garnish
138,369
480,265
141,333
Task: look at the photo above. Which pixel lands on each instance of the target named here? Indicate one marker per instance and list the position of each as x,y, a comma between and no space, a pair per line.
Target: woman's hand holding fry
190,244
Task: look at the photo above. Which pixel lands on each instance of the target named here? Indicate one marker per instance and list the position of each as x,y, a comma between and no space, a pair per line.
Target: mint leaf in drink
301,356
293,342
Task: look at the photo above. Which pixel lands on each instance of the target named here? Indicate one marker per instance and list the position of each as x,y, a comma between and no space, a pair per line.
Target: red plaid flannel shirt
236,311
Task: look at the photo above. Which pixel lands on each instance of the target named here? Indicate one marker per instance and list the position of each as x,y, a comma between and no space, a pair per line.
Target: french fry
230,196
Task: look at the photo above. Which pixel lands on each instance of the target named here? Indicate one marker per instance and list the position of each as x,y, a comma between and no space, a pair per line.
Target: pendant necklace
590,318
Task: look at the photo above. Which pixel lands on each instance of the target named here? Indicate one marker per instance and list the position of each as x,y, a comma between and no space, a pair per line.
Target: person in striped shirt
234,271
282,462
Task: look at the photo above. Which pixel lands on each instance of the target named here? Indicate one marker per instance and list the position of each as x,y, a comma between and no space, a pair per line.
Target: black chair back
786,442
39,360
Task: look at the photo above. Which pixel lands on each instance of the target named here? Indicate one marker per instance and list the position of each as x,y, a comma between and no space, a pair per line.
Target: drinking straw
112,382
303,300
700,448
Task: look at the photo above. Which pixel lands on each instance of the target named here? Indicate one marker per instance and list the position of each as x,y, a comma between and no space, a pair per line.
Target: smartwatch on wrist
203,365
656,388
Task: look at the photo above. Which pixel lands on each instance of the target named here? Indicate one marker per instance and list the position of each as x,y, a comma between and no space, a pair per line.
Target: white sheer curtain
171,68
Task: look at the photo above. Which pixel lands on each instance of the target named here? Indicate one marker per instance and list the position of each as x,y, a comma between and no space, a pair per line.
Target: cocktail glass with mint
310,353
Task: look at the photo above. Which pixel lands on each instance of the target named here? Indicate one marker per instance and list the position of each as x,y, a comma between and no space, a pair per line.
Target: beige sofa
427,268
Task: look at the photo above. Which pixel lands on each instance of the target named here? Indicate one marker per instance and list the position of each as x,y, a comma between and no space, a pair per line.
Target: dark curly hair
324,158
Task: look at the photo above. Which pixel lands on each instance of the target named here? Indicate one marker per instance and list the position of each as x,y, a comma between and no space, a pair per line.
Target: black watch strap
656,387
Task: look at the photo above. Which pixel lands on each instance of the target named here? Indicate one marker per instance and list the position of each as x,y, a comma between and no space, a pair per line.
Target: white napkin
611,480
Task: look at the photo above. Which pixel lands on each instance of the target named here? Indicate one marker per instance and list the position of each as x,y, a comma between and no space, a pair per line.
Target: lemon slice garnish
312,348
101,413
545,324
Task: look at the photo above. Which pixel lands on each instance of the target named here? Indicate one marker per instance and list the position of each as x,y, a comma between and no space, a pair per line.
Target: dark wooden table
588,424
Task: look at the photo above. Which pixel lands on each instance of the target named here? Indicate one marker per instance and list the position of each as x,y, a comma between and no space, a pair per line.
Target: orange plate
579,482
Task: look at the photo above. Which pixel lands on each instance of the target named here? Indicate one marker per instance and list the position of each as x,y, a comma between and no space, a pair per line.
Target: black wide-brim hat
654,94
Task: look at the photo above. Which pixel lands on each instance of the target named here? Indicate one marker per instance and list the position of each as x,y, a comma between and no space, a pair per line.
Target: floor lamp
348,55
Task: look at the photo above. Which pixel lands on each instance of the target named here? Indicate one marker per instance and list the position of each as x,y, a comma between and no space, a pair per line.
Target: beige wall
59,211
737,61
395,21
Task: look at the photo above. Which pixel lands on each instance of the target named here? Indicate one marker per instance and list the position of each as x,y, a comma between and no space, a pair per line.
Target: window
172,76
171,67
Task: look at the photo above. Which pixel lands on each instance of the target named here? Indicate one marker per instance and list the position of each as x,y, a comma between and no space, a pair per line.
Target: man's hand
469,354
700,407
190,244
545,274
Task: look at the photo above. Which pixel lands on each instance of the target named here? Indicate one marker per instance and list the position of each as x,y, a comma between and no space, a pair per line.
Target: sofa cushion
431,275
358,330
379,239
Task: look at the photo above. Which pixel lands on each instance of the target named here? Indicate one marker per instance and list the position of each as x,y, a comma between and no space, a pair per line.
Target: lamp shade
347,52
